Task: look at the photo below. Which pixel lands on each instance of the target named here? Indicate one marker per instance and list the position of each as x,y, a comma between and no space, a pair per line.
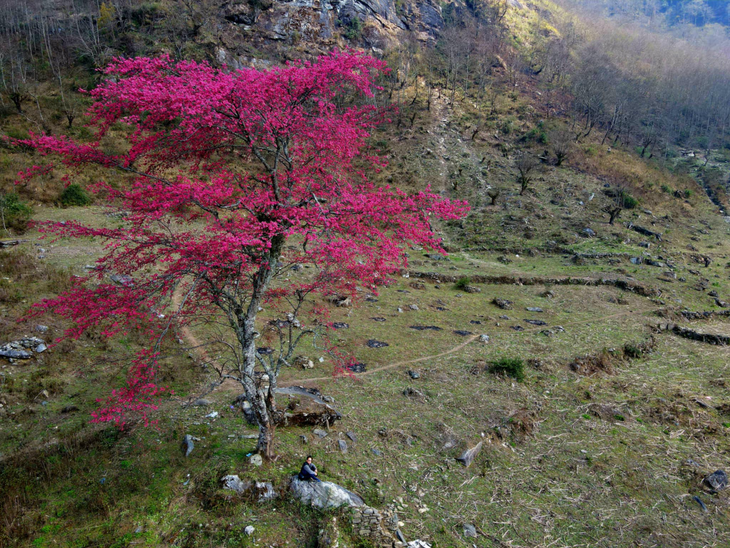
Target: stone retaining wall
378,526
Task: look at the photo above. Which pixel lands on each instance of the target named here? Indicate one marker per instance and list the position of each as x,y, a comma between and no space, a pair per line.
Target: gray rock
256,460
413,306
14,354
40,348
589,232
187,445
264,491
468,456
249,530
484,338
319,433
717,480
414,374
234,483
41,328
470,530
342,445
534,309
323,494
636,260
352,436
504,304
418,544
202,402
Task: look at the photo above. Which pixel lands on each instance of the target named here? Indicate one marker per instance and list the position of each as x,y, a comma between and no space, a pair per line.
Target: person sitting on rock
308,471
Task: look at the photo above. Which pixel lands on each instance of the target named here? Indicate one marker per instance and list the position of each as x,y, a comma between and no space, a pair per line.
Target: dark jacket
308,472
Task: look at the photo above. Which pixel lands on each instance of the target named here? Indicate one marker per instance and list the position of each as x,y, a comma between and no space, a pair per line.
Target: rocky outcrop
323,494
324,24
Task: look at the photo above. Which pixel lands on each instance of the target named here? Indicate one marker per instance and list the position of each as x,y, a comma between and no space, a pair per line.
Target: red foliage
235,176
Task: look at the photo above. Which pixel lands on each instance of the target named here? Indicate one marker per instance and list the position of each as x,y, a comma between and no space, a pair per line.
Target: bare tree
526,166
562,143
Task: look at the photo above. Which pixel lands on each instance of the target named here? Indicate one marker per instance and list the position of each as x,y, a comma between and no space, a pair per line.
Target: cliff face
324,24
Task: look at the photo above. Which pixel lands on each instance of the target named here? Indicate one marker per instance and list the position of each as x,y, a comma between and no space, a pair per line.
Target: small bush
462,283
511,367
629,201
14,213
74,195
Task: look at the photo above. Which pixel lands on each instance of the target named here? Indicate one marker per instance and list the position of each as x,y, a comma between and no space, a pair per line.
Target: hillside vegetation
594,155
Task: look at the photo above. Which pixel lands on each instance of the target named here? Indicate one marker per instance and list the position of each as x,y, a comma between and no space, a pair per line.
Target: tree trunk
259,395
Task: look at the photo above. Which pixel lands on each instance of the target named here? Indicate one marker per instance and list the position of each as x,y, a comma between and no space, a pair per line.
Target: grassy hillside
605,442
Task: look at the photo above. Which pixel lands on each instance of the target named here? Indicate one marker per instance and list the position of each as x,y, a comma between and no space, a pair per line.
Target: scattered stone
342,444
187,445
426,328
418,544
472,289
589,232
418,285
41,328
319,433
371,299
484,338
636,260
413,307
122,279
470,530
441,309
468,456
357,367
372,343
350,434
376,452
414,374
517,327
340,300
249,530
536,322
213,415
304,362
462,332
378,319
341,325
437,257
304,439
533,309
504,304
717,480
201,402
324,494
713,294
647,245
413,393
721,304
40,348
69,409
14,354
265,351
256,460
645,232
234,483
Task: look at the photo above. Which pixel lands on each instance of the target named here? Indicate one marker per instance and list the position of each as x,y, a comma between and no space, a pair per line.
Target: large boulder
323,494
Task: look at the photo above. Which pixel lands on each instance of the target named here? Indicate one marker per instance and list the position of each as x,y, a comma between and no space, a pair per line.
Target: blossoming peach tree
234,178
